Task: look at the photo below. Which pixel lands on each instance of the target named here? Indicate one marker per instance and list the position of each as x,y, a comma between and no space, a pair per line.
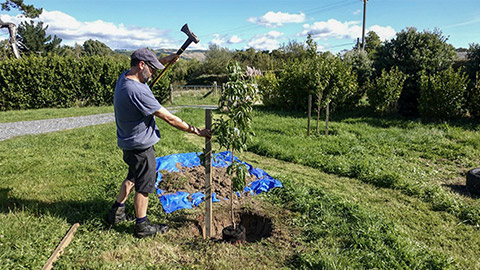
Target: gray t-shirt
134,105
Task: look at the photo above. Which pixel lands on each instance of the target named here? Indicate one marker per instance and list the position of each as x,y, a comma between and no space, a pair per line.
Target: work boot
117,215
148,229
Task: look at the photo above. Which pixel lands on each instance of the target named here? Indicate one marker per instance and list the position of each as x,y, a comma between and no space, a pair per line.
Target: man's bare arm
170,58
178,123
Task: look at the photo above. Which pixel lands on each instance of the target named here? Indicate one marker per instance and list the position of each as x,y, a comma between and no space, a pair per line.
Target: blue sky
261,24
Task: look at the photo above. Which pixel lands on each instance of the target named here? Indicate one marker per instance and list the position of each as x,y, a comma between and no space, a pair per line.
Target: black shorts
142,169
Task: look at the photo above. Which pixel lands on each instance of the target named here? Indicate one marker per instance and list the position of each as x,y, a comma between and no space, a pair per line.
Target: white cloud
234,40
8,18
267,41
274,19
222,40
275,34
385,33
356,12
218,40
332,29
346,30
116,36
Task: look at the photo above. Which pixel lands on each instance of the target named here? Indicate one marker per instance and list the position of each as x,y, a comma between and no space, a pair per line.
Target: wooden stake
309,113
208,177
319,102
327,118
59,250
171,94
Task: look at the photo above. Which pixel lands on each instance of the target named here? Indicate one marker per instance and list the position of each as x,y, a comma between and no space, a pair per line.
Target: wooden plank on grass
208,177
59,250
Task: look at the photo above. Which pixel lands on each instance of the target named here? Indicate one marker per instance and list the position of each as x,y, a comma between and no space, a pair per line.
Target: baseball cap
147,55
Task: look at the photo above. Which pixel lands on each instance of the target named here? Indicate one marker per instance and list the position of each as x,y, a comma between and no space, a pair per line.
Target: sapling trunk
231,201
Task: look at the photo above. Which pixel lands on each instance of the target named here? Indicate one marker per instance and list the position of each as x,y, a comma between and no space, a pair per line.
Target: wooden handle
59,250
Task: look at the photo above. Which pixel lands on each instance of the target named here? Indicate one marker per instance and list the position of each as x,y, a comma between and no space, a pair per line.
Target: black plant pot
473,181
237,235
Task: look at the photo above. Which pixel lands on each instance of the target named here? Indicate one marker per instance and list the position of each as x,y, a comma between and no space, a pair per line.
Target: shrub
361,64
442,94
296,82
268,88
472,101
473,64
385,91
325,75
342,88
414,53
161,90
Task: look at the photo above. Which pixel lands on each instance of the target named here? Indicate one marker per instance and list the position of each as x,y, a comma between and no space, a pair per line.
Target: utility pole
364,19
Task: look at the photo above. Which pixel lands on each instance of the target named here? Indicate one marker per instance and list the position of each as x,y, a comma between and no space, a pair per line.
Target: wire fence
214,87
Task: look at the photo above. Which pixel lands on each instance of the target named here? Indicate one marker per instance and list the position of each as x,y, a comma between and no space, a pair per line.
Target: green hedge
55,81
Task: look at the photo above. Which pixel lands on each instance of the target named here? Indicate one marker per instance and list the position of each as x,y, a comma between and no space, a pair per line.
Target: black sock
140,220
117,204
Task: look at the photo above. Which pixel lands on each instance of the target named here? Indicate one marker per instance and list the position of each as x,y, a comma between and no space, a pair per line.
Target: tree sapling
233,130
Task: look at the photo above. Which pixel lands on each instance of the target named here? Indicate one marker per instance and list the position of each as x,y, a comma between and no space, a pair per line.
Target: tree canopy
94,47
34,38
27,10
414,53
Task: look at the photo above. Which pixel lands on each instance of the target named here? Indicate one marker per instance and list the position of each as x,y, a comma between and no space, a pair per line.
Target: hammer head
190,34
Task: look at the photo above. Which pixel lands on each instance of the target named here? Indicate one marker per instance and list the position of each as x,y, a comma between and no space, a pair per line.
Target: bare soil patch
192,180
247,210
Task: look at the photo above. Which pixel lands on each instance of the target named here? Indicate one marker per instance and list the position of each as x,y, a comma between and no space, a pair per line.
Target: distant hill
188,54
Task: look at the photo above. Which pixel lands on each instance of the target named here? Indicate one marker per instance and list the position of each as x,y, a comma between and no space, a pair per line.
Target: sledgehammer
191,38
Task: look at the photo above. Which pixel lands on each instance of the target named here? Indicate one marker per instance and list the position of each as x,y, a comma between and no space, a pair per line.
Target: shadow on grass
93,211
73,211
461,190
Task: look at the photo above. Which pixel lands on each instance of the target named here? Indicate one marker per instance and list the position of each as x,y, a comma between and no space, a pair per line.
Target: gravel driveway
9,130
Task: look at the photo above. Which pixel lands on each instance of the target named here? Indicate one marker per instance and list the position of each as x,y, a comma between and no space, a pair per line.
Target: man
135,110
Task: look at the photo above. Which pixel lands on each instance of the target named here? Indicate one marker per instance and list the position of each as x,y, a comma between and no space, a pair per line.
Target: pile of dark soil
256,223
192,180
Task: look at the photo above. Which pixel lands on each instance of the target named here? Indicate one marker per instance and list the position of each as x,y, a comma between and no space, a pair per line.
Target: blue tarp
179,200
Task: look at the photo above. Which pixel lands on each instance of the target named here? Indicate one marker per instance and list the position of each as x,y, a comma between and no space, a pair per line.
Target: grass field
366,196
425,160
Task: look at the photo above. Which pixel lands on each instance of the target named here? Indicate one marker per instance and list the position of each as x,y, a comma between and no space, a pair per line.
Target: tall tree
34,39
28,11
94,47
372,42
414,53
216,60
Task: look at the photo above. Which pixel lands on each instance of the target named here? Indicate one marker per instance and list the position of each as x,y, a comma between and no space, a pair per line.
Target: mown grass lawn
331,214
424,160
